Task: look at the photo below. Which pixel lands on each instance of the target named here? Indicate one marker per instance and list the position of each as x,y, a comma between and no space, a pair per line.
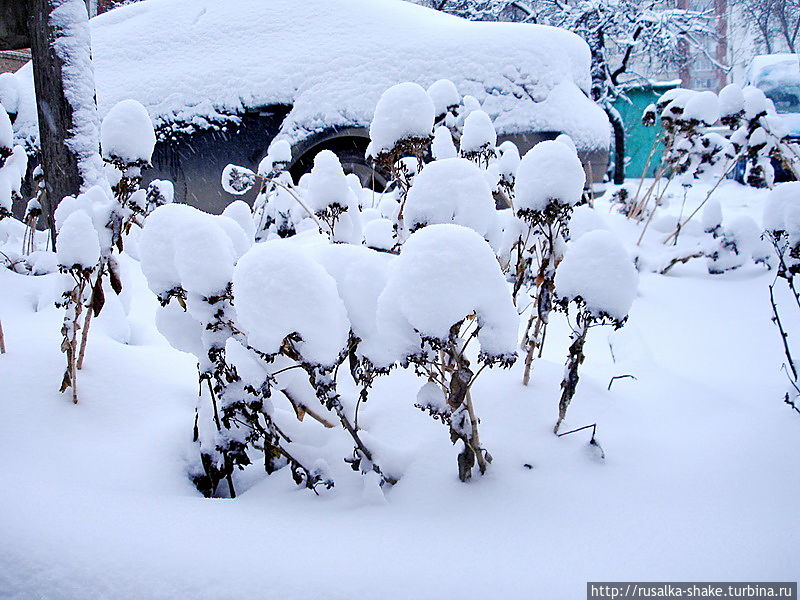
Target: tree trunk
619,143
64,84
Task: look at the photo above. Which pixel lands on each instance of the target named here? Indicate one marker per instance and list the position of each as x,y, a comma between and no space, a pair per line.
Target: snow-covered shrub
250,314
735,244
782,230
445,290
127,140
78,257
549,183
188,259
290,306
760,137
478,138
597,278
332,200
446,101
442,145
506,172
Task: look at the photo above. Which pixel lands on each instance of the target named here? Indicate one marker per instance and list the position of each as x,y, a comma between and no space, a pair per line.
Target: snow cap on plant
278,157
599,275
327,184
281,292
756,102
442,146
672,102
549,173
509,160
445,97
379,234
330,197
237,180
649,115
731,105
78,246
127,136
444,275
98,205
712,217
778,200
702,107
360,275
404,112
183,248
453,190
159,193
478,134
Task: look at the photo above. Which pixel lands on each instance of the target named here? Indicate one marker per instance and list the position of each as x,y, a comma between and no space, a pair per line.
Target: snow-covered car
222,79
778,76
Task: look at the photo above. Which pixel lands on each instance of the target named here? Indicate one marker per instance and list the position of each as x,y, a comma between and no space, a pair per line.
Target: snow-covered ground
700,480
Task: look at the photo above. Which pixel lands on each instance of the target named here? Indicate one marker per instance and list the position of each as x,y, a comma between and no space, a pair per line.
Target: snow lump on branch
445,274
405,111
550,172
597,270
453,190
127,135
280,291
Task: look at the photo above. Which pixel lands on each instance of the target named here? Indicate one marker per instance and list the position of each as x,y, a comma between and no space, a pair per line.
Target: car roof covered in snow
765,66
197,62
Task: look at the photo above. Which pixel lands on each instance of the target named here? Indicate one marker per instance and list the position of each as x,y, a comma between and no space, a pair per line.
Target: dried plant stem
681,260
480,456
708,195
297,199
638,207
784,336
2,340
652,214
87,321
650,156
570,383
534,342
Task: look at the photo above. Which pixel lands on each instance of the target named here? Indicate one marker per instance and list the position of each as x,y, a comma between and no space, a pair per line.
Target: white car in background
222,78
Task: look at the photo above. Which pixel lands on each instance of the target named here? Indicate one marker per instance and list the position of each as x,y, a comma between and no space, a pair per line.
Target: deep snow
700,480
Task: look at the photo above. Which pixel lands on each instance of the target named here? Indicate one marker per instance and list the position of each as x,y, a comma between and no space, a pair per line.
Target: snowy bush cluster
428,275
696,151
90,227
324,286
693,152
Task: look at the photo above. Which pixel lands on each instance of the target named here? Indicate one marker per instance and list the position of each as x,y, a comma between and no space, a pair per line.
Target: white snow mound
444,274
550,171
597,268
279,290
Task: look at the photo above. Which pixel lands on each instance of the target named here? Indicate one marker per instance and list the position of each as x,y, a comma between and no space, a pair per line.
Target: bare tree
775,23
